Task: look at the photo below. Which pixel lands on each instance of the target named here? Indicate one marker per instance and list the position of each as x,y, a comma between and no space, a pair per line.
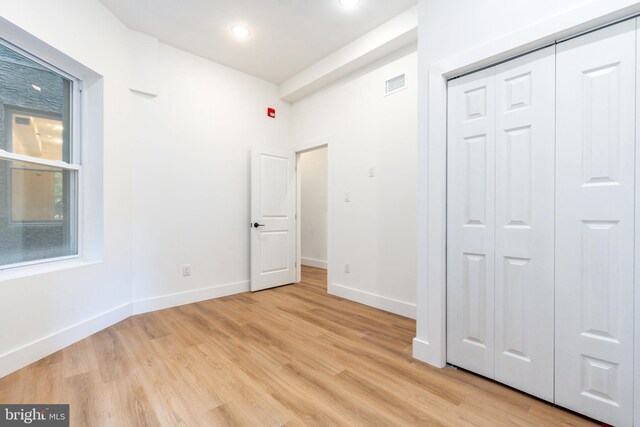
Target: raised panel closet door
595,162
524,276
470,222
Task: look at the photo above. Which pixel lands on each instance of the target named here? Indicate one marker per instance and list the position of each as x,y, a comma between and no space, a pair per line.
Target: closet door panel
595,223
470,219
524,251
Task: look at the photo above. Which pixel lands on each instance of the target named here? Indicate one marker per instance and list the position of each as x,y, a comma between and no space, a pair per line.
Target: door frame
300,149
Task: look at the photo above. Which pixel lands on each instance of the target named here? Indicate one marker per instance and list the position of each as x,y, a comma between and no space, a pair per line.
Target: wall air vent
395,84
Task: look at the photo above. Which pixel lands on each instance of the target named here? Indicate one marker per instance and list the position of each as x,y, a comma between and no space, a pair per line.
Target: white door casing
273,240
595,223
470,223
524,222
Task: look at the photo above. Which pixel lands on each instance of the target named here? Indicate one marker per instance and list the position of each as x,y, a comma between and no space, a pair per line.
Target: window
39,160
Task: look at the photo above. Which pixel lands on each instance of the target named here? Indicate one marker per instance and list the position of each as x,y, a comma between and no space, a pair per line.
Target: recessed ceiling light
240,31
349,4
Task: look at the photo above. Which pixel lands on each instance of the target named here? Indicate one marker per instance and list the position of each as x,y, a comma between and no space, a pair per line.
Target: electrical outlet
186,270
347,197
347,267
372,171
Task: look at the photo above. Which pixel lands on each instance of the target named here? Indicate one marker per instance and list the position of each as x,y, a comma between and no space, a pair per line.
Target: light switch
186,270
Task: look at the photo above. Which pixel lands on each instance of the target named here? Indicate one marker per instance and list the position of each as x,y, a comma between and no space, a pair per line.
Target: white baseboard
425,352
314,262
32,352
188,297
377,301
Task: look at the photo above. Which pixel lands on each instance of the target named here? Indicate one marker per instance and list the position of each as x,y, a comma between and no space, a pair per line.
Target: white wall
455,36
43,312
312,168
374,232
176,184
395,34
477,23
191,178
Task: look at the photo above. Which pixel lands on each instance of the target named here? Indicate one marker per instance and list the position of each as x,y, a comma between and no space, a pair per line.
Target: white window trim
75,142
43,261
5,155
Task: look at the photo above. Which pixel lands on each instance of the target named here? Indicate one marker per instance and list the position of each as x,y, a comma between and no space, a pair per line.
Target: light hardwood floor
289,356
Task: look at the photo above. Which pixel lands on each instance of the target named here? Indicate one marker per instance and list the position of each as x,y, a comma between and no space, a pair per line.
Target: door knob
256,225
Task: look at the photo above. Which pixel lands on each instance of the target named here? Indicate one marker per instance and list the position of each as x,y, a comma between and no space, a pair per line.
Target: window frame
10,111
74,166
13,109
12,221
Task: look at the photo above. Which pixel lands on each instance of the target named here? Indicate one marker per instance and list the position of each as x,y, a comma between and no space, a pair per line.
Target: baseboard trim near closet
373,300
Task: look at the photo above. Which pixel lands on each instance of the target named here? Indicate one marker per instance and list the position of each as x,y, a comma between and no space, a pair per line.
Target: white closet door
595,223
524,276
470,222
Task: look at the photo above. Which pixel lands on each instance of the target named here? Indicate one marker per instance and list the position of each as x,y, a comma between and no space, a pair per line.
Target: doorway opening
313,216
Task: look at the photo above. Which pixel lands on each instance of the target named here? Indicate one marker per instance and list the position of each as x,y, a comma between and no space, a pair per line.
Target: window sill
44,268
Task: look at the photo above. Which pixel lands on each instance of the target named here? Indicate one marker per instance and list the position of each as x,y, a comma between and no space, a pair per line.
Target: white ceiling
287,36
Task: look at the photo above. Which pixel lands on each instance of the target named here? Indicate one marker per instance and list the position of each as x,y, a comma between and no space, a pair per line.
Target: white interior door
470,222
595,223
273,237
524,248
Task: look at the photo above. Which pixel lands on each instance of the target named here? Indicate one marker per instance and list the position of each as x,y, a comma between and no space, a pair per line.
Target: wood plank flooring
291,356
